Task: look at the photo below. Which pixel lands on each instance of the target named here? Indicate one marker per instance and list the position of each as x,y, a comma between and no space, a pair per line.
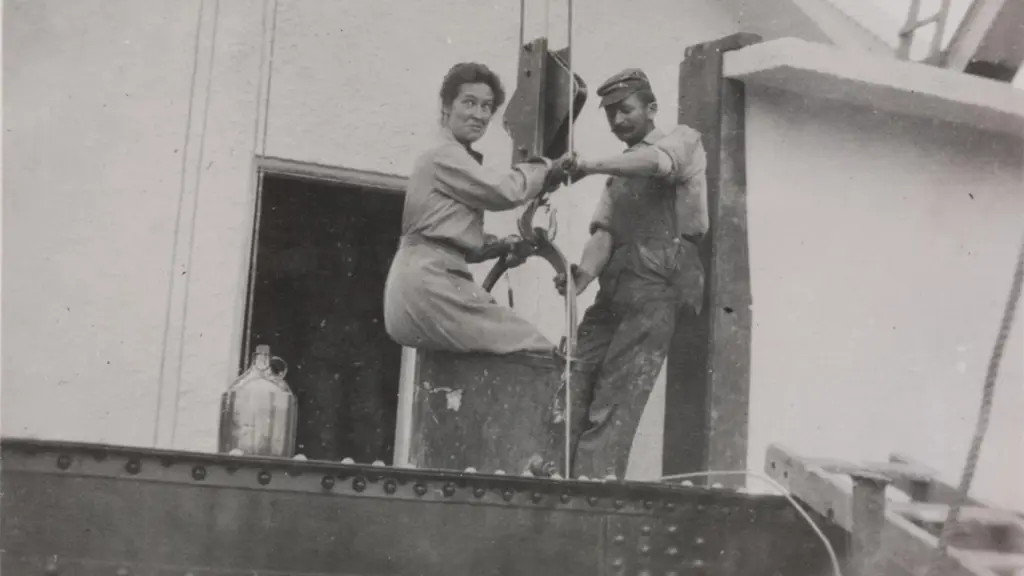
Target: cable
984,414
782,490
522,24
570,282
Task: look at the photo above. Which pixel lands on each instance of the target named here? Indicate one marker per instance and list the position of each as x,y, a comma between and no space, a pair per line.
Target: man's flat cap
621,85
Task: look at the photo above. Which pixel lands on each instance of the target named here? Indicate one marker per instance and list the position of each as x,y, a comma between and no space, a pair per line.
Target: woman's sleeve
458,175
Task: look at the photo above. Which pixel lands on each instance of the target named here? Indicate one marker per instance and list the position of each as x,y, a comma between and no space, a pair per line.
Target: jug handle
284,370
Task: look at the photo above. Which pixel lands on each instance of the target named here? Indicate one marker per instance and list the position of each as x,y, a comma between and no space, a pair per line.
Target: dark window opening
320,263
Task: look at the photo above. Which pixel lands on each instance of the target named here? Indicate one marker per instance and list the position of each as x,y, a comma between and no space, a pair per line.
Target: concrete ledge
885,84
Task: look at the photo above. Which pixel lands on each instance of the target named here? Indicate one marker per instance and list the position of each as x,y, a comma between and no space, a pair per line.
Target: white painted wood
883,84
403,422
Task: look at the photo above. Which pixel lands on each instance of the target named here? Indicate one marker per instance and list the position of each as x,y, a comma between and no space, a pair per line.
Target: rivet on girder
583,478
649,504
619,503
699,540
64,462
611,478
537,497
419,489
644,573
347,461
449,490
672,551
670,506
122,571
700,507
687,483
263,477
133,466
199,473
470,470
327,482
499,472
619,539
698,563
672,529
479,492
51,568
507,494
359,484
592,500
565,498
390,486
645,549
618,562
717,485
645,529
378,463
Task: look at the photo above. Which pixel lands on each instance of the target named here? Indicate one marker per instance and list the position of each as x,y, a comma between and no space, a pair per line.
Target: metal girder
989,41
88,509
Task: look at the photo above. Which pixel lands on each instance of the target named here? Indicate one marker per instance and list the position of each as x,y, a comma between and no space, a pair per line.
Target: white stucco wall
95,100
882,250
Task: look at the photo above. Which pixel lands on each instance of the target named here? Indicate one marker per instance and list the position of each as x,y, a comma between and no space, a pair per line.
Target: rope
984,414
782,490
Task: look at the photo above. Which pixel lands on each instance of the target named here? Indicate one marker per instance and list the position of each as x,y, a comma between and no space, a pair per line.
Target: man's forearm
642,162
596,252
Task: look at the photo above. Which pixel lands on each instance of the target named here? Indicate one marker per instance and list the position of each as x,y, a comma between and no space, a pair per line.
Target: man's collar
653,136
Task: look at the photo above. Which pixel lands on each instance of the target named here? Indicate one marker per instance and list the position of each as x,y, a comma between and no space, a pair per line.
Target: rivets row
133,466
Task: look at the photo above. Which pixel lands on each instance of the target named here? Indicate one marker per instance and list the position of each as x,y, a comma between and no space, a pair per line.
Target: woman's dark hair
470,73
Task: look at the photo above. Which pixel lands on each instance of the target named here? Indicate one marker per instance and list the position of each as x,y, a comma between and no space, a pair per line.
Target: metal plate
112,510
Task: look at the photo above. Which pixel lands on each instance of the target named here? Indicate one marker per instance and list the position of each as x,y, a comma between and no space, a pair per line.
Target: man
643,250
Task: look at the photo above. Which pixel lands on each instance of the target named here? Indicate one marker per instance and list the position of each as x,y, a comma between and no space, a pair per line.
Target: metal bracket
537,116
885,534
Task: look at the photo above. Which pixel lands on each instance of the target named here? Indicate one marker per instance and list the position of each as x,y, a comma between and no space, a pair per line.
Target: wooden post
708,377
868,523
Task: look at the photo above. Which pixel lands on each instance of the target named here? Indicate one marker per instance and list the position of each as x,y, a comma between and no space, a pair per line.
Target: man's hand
569,168
581,278
579,169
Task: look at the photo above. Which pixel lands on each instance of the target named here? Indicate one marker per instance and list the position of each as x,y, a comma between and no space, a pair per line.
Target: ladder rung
920,24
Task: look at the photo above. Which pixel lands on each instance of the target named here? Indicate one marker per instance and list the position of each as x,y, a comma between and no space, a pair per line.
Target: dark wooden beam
708,379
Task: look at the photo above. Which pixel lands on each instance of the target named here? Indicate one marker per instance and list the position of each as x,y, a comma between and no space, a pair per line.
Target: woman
430,298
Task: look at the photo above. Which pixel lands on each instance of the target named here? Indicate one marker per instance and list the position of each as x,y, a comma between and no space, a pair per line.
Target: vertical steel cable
570,284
